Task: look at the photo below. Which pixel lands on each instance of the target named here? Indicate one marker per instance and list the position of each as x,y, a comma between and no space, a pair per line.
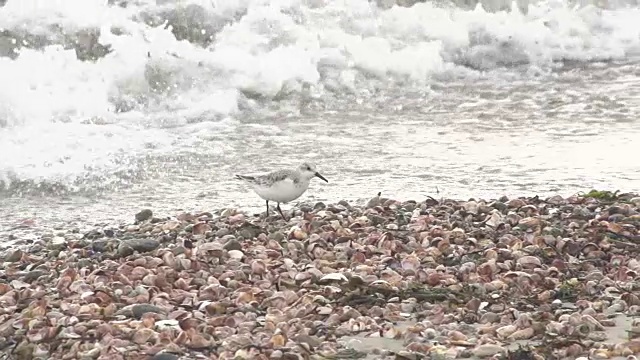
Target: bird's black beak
321,177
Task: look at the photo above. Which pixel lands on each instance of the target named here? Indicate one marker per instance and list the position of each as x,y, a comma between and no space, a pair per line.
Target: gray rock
582,213
319,206
277,236
617,210
222,232
142,245
138,310
616,218
499,205
178,250
345,204
377,220
124,250
164,356
232,244
306,209
104,245
93,234
14,255
249,230
556,200
33,275
144,215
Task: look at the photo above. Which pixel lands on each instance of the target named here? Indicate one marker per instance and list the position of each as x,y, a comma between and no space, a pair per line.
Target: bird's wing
278,175
270,178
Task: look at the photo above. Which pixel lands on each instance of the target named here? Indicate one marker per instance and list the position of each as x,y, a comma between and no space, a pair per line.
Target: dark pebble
14,256
138,310
617,210
104,245
164,356
178,250
109,233
124,250
93,234
377,220
249,230
306,208
222,232
345,204
33,275
142,245
616,218
144,215
232,244
319,206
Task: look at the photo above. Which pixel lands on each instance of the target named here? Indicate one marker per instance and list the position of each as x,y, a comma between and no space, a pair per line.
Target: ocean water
107,107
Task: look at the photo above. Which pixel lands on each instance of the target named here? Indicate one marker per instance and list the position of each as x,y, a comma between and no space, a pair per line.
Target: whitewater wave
85,81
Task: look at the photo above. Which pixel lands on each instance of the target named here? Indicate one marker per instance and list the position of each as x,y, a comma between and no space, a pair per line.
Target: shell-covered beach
518,278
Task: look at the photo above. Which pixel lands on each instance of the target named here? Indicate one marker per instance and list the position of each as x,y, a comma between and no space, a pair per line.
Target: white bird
282,186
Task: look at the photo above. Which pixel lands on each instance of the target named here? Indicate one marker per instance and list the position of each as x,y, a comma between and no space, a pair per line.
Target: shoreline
447,278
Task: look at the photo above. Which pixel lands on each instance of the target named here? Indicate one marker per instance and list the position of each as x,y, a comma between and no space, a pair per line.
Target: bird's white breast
282,191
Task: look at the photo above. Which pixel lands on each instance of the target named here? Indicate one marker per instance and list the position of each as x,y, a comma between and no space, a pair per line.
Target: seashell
144,335
410,262
590,247
522,334
338,277
169,259
278,339
529,262
235,254
392,333
457,336
506,331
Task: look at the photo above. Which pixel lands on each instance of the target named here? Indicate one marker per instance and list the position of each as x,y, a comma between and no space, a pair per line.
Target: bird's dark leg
280,211
267,209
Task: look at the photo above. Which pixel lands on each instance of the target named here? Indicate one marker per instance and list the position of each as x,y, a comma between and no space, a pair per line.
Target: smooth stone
617,218
14,256
165,356
249,231
124,250
95,234
499,205
319,206
33,275
142,245
277,236
222,232
487,350
516,203
556,200
377,220
232,244
103,245
345,204
178,250
144,215
138,310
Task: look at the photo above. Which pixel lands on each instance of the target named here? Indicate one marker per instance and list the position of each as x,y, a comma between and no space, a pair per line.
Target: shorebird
284,185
